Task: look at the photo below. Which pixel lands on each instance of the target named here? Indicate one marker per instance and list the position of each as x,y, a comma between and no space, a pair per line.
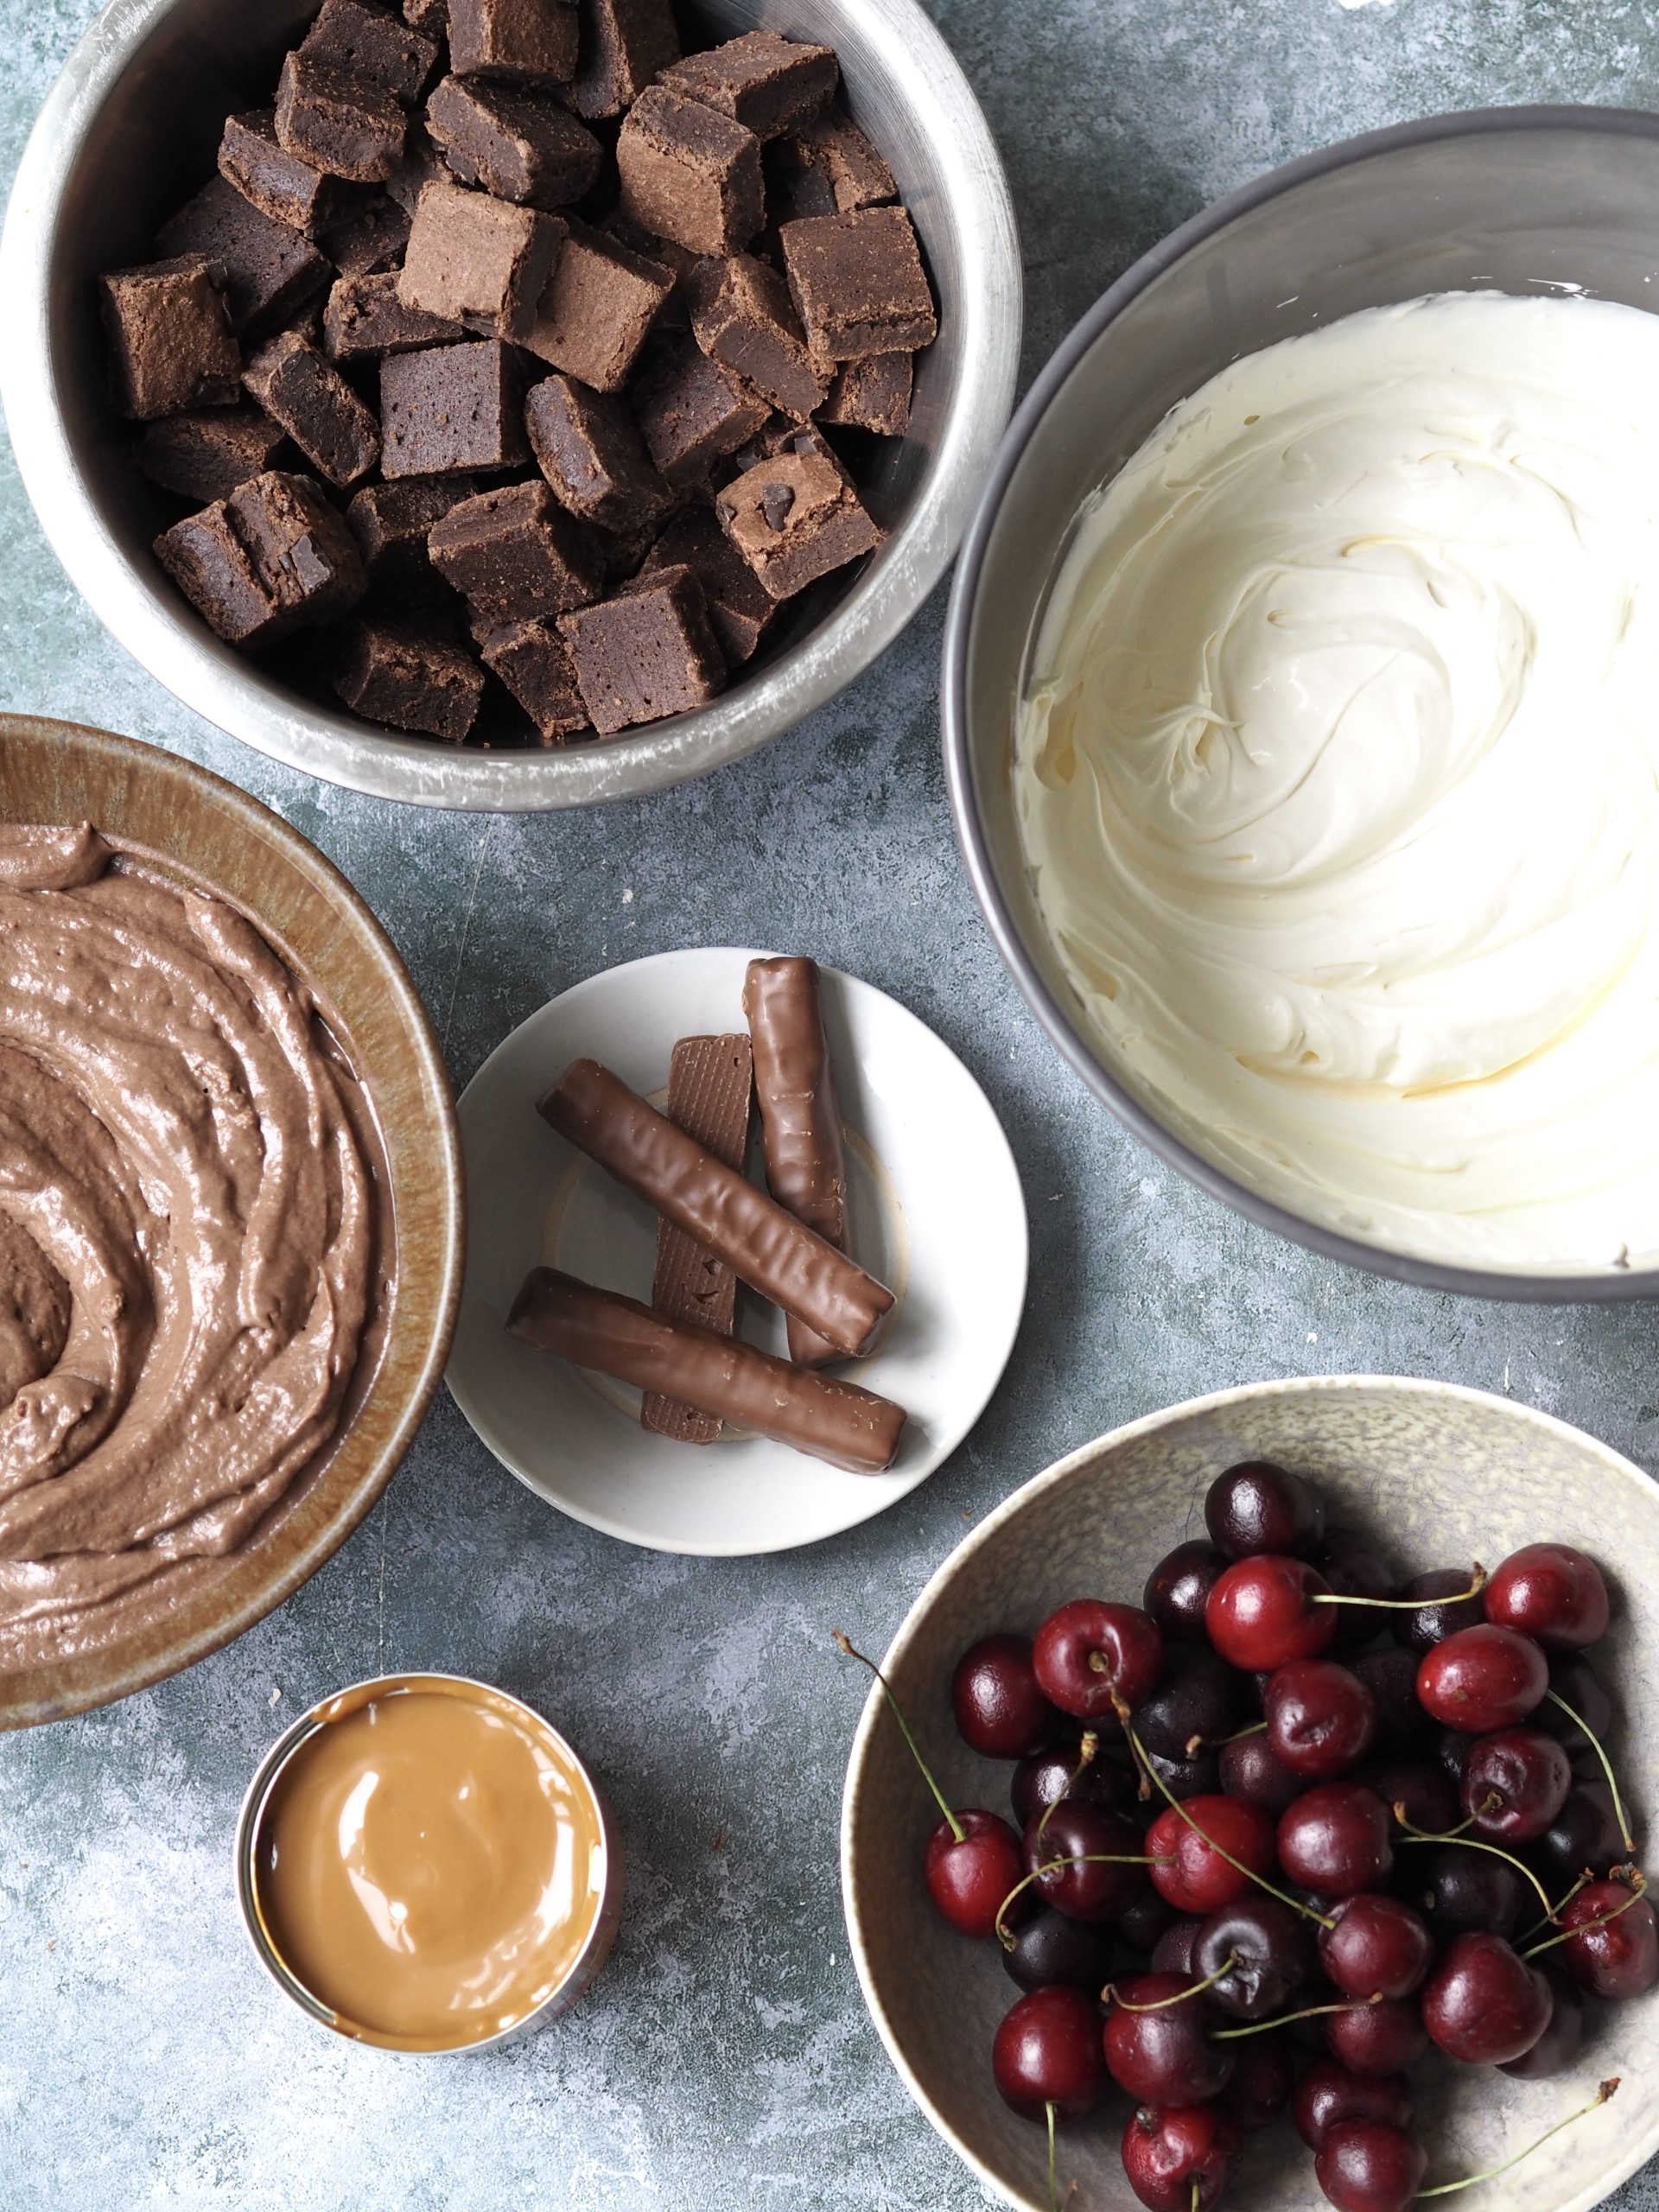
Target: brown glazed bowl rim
143,796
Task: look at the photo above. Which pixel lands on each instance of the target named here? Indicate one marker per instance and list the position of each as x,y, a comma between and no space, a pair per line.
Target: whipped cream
1337,773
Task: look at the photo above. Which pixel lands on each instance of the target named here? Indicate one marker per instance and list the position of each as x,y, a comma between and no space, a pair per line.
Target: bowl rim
1636,2152
1518,1284
174,645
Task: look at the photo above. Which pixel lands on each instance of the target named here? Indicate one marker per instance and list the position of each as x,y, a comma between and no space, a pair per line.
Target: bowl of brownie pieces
508,404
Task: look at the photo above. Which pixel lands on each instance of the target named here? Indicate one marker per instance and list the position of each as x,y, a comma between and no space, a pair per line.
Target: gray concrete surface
726,2061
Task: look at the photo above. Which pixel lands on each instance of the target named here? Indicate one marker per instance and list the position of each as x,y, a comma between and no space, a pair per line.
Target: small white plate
937,1211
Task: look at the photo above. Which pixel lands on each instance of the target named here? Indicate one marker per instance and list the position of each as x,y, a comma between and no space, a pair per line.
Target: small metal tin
593,1952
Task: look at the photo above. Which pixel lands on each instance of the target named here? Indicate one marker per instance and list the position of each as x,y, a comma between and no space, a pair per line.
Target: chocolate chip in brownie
526,41
780,435
589,449
278,183
410,680
742,318
391,522
768,84
478,260
451,407
520,146
370,241
597,308
205,456
690,173
515,554
829,167
646,652
858,283
534,662
170,342
794,518
339,123
306,558
624,44
333,430
371,42
740,608
691,412
365,318
872,393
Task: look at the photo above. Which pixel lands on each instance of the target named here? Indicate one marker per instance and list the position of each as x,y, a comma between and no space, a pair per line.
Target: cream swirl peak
1338,772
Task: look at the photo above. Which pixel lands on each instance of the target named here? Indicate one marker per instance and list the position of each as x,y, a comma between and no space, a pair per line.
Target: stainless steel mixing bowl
1518,199
130,131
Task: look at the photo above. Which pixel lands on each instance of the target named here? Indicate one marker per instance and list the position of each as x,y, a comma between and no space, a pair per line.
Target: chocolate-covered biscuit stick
800,1121
765,1246
711,1088
818,1413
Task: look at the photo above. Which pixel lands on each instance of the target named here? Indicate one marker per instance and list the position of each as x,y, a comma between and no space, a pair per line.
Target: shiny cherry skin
1046,1776
1353,1567
1451,1748
1552,1594
1194,1778
1261,1613
1173,1952
1336,1839
1585,1833
1469,1892
1164,2056
1047,2052
1195,1877
1376,2039
1328,2093
1483,2003
1441,1609
1483,1679
1179,2159
1271,1949
1256,1507
1251,1769
1573,1677
1198,1698
1621,1958
1178,1588
1095,1883
1430,1800
1365,2166
1390,1674
1090,1655
1000,1712
1054,1951
1321,1718
1264,2074
1559,2046
1527,1773
968,1880
1378,1946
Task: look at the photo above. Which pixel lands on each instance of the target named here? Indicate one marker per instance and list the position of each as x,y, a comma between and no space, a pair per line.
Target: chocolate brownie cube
430,16
278,183
410,681
858,283
365,317
872,393
600,302
624,44
478,260
780,435
534,662
515,554
675,313
451,407
337,121
306,558
205,455
269,269
588,448
360,41
690,173
371,240
526,41
831,169
419,165
315,405
769,84
391,522
741,609
520,146
170,342
742,317
794,518
646,652
691,412
215,571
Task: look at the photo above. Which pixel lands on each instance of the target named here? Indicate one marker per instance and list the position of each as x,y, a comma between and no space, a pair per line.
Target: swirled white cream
1338,772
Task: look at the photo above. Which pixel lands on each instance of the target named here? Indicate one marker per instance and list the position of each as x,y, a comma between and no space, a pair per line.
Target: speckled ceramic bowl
1441,1475
62,772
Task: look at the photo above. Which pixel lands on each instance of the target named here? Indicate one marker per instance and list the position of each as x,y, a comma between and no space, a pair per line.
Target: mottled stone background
725,2064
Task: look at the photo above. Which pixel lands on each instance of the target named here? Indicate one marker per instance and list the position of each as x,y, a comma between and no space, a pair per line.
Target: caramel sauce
429,1864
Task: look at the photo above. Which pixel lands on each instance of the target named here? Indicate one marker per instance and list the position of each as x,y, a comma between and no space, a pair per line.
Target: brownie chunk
205,456
527,41
215,571
419,682
624,44
739,608
588,448
793,519
515,554
534,662
829,167
305,556
742,317
431,16
858,283
315,405
780,435
269,269
391,521
691,412
365,318
170,342
645,653
520,146
450,407
872,393
479,260
688,174
371,240
768,84
278,183
596,310
371,42
419,165
339,123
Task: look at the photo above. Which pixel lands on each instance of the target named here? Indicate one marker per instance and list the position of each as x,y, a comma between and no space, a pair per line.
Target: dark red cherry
968,1879
1090,1655
1552,1594
1047,2052
1164,2056
1198,1701
1193,1876
1261,1613
1451,1750
1000,1712
1573,1677
1445,1608
1177,1590
1179,2160
1144,1920
1263,2076
1328,2093
1353,1567
1044,1778
1481,1678
1052,1950
1321,1718
1097,1878
1390,1675
1365,2166
1618,1958
1336,1839
1514,1785
1256,1507
1375,2039
1468,1892
1483,2003
1271,1951
1251,1769
1377,1945
1173,1952
1429,1801
1585,1833
1193,1777
1558,2048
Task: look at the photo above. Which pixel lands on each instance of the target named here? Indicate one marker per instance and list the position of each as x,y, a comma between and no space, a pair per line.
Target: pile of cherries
1265,1857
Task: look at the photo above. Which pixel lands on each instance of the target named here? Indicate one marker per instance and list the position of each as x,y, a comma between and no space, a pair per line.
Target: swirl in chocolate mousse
186,1240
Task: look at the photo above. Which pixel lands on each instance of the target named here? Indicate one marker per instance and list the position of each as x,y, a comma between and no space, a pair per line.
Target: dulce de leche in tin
425,1864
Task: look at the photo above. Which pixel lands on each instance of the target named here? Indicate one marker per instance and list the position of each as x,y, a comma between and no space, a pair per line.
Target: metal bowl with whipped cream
1297,687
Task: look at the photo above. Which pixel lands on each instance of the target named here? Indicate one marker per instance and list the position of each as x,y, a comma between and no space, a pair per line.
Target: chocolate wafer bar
800,1120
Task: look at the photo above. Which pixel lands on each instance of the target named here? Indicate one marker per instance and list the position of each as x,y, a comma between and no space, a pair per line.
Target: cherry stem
1260,1880
1403,1604
958,1831
1196,1744
1594,1741
1086,1748
1109,1996
1551,1917
1053,2188
1311,2012
1472,1843
1198,2194
1638,1890
1448,2188
1005,1935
